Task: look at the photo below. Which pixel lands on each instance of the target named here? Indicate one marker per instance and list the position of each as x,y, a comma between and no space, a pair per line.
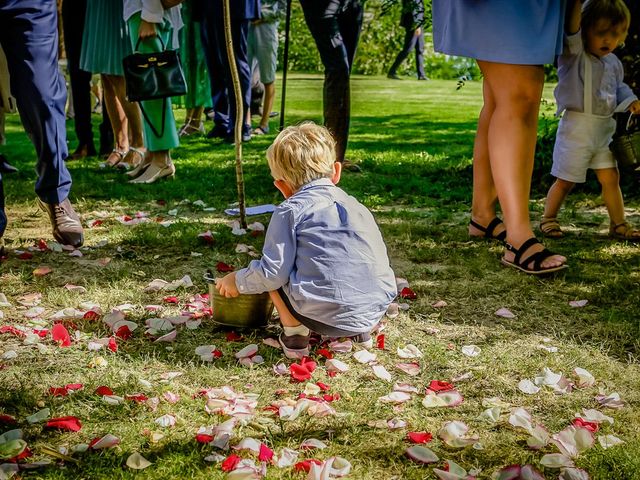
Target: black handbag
150,76
625,144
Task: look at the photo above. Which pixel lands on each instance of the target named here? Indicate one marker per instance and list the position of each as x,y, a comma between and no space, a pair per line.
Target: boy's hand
635,107
227,285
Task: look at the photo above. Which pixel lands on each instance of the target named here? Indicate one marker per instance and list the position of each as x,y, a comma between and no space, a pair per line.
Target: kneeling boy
324,262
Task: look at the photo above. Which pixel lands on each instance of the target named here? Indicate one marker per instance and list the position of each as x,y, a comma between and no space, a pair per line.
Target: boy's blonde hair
614,11
302,153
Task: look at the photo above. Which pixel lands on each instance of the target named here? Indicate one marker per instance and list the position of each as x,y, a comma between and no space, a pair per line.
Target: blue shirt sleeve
278,256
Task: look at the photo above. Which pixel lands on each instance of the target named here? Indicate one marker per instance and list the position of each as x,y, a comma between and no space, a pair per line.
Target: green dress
105,40
193,61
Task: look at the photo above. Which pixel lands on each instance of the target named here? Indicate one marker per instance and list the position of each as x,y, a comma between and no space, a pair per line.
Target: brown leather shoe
67,228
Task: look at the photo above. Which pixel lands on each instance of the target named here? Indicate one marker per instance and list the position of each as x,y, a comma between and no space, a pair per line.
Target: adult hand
635,107
418,31
226,286
147,30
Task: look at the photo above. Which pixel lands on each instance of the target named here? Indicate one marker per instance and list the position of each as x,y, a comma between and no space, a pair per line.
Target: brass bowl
245,311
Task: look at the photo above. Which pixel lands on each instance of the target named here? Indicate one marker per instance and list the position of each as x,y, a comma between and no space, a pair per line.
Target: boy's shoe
363,340
550,227
624,231
294,346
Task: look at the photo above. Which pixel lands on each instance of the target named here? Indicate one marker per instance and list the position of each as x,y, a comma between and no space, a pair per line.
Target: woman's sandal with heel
488,231
532,264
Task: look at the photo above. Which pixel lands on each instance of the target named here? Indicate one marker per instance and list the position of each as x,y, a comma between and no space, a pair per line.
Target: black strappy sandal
537,258
489,229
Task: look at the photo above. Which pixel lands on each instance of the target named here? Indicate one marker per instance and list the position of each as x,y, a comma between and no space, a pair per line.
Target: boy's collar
315,183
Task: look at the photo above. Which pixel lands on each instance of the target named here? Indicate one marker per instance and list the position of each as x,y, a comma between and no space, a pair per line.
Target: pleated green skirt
193,61
105,41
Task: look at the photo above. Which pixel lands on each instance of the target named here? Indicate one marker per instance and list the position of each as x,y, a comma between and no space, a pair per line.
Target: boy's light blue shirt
610,94
325,250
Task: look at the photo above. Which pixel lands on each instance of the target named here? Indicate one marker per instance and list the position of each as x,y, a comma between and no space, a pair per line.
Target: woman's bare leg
485,198
119,122
512,133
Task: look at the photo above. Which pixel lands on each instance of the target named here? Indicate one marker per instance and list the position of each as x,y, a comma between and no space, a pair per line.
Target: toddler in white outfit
590,90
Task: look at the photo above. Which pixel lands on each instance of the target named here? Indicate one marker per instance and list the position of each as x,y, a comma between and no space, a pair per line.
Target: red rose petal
223,267
124,332
58,391
170,299
104,390
41,332
204,438
91,315
233,337
265,454
42,245
25,256
305,465
300,373
380,341
230,463
60,335
12,330
325,352
216,353
419,437
138,397
113,346
323,386
440,386
65,423
408,294
7,419
593,427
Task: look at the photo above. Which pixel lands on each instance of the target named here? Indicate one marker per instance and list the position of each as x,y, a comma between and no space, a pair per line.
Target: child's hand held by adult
226,286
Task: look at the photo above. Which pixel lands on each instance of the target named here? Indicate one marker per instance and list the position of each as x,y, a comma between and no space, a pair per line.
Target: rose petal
419,437
137,461
505,313
421,454
71,424
60,335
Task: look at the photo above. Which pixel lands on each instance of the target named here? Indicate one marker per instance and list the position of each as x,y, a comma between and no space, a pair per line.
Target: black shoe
217,132
67,228
5,167
393,76
422,77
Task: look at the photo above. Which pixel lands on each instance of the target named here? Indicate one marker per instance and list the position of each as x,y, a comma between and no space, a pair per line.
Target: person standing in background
263,52
412,20
73,19
335,26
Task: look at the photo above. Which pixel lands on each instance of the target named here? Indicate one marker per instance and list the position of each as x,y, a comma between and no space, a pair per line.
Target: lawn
414,142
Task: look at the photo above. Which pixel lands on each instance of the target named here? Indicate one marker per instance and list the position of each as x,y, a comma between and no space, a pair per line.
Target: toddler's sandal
550,227
294,346
624,231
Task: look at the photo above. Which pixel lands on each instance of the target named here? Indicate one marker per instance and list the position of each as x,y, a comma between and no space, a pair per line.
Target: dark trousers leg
420,55
215,67
410,39
29,37
73,15
336,32
239,34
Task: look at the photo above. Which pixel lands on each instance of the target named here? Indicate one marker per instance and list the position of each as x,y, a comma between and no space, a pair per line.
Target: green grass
414,142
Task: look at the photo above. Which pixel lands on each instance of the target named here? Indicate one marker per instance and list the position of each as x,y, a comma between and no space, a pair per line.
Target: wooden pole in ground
237,92
287,27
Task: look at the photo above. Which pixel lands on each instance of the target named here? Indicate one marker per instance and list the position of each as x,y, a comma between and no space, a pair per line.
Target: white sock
298,330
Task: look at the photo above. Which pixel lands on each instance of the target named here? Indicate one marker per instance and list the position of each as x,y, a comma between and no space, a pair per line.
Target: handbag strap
164,114
159,37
